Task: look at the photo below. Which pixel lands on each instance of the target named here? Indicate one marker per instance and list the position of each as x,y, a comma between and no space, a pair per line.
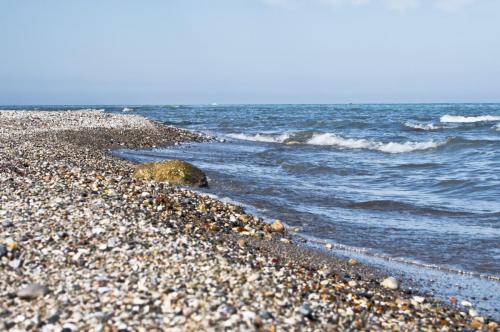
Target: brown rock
277,226
173,171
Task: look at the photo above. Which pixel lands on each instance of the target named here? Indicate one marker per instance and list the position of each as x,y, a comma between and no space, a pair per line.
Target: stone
353,261
266,315
176,172
3,250
7,224
466,303
32,291
473,313
492,326
277,226
306,311
390,283
418,299
328,246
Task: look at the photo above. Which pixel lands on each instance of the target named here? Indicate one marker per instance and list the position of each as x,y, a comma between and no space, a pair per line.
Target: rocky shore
85,246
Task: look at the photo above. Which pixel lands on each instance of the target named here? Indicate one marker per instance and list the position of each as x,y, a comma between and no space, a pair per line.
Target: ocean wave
497,127
309,138
422,126
127,109
268,138
468,119
390,147
395,206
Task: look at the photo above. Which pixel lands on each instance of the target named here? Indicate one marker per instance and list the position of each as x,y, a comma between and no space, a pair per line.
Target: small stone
15,264
352,283
476,325
306,311
466,303
492,326
353,261
328,246
3,250
284,240
227,309
473,313
242,243
7,224
32,291
266,315
419,299
390,283
12,246
277,226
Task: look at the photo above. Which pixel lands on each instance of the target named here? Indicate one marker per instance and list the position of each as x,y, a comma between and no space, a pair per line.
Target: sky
248,51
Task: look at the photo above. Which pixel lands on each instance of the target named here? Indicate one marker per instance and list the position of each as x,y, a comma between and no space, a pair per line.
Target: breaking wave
269,138
468,119
422,126
390,147
339,141
497,127
126,109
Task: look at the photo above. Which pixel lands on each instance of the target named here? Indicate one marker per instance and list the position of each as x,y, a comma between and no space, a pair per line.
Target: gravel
87,247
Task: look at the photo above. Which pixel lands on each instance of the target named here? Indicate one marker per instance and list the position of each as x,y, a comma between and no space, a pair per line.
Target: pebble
277,226
418,299
473,313
328,246
390,283
353,261
306,311
3,250
7,224
466,304
32,291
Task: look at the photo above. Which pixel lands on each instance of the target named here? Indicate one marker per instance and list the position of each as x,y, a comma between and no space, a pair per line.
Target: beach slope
86,246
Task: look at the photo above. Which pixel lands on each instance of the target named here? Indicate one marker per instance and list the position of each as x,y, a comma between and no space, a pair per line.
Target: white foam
269,138
390,147
469,119
422,126
126,109
497,127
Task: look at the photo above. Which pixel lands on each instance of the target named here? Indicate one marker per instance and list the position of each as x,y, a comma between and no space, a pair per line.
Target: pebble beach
84,246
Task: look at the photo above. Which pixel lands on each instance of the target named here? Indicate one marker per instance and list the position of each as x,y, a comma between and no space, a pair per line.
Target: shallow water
415,184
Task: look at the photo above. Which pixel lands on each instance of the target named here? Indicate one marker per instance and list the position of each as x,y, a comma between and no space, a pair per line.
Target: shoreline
104,238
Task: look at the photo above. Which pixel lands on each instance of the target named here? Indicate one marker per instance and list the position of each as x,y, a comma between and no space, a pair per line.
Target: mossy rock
173,171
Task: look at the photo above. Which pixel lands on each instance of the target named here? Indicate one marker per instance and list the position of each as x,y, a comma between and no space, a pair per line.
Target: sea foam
389,147
422,126
469,119
335,140
269,138
126,109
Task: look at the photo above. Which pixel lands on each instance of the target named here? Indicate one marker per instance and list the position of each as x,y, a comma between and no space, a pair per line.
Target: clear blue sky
248,51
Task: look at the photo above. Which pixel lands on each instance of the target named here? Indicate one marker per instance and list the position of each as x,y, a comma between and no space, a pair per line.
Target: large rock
173,171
